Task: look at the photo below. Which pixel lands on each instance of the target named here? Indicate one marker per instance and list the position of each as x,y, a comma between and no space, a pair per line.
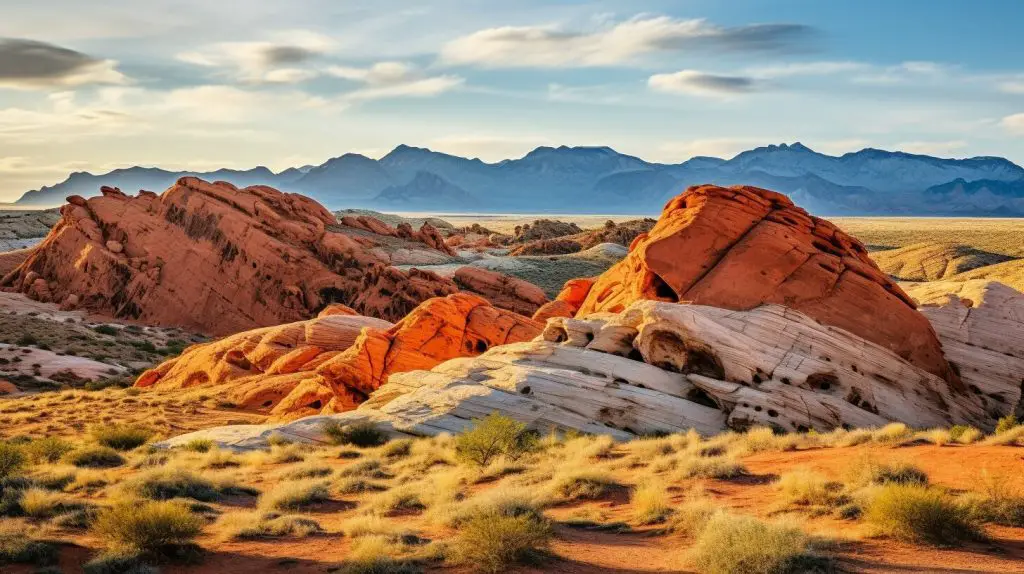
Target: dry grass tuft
730,544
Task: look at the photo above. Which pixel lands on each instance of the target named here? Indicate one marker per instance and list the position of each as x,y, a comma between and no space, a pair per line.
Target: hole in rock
701,398
662,290
525,390
316,405
267,403
822,381
561,336
481,346
667,351
773,413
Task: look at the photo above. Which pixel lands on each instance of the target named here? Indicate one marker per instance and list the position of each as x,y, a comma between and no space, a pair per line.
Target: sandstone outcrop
556,246
332,363
981,326
212,258
543,229
427,234
741,247
659,367
501,290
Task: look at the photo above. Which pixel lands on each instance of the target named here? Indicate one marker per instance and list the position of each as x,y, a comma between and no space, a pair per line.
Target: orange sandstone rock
739,247
212,258
502,290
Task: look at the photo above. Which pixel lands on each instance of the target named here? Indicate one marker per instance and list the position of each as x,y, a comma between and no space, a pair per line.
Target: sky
196,85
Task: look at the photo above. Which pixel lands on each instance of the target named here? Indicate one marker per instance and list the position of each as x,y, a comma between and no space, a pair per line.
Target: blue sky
193,84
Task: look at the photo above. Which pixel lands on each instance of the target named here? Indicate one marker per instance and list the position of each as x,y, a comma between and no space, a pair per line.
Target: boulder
215,259
502,290
741,247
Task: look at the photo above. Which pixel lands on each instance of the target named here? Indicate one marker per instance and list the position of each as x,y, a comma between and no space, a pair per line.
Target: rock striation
216,259
741,247
501,290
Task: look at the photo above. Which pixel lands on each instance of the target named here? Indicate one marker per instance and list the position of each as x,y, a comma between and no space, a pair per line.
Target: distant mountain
601,180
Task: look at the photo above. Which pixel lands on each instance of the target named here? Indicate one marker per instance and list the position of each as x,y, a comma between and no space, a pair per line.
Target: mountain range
601,180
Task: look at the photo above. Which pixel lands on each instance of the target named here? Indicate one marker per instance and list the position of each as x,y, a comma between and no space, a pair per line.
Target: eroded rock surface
741,247
212,258
501,290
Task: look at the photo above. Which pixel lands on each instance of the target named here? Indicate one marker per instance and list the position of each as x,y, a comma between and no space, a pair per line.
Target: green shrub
147,526
94,457
106,330
1006,423
120,437
362,435
119,562
493,542
730,544
12,459
920,514
492,436
199,445
50,449
584,485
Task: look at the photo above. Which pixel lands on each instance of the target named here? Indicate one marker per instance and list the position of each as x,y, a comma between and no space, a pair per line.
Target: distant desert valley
216,378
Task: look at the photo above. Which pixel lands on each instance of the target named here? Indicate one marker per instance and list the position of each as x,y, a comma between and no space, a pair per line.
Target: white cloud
1013,124
227,104
693,82
393,80
1012,87
585,94
284,58
936,148
550,46
806,69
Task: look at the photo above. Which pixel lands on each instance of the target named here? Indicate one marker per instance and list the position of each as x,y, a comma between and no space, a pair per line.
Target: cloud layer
30,64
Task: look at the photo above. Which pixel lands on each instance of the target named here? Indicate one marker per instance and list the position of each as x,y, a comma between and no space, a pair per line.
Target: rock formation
212,258
501,290
659,367
933,261
427,234
740,247
255,370
543,229
333,362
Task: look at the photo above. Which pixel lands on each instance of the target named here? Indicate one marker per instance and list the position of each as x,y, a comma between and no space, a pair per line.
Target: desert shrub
12,459
308,470
507,501
55,480
730,544
286,454
711,467
938,437
168,483
120,437
493,542
690,517
106,330
40,503
892,433
920,514
369,468
406,497
651,502
121,561
253,525
50,449
358,485
970,436
17,548
492,436
1006,423
148,526
397,448
295,495
999,502
94,457
583,485
866,470
199,445
378,555
808,488
362,435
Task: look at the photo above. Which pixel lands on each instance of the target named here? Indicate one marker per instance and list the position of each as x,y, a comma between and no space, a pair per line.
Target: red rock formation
459,325
739,247
427,234
255,370
333,362
568,301
503,291
212,258
557,246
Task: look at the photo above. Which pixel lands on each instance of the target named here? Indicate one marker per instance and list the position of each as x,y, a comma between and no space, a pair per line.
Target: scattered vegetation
493,436
730,544
151,527
918,513
120,437
363,435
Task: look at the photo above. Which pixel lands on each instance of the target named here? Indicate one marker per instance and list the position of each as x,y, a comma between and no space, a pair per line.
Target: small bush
492,436
308,470
651,502
17,548
721,467
120,437
397,448
254,525
377,555
95,457
147,526
359,485
397,499
295,496
50,449
731,544
920,514
1006,423
165,484
583,485
121,561
369,468
362,435
39,503
866,470
109,330
998,503
374,525
808,488
199,445
12,459
493,542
